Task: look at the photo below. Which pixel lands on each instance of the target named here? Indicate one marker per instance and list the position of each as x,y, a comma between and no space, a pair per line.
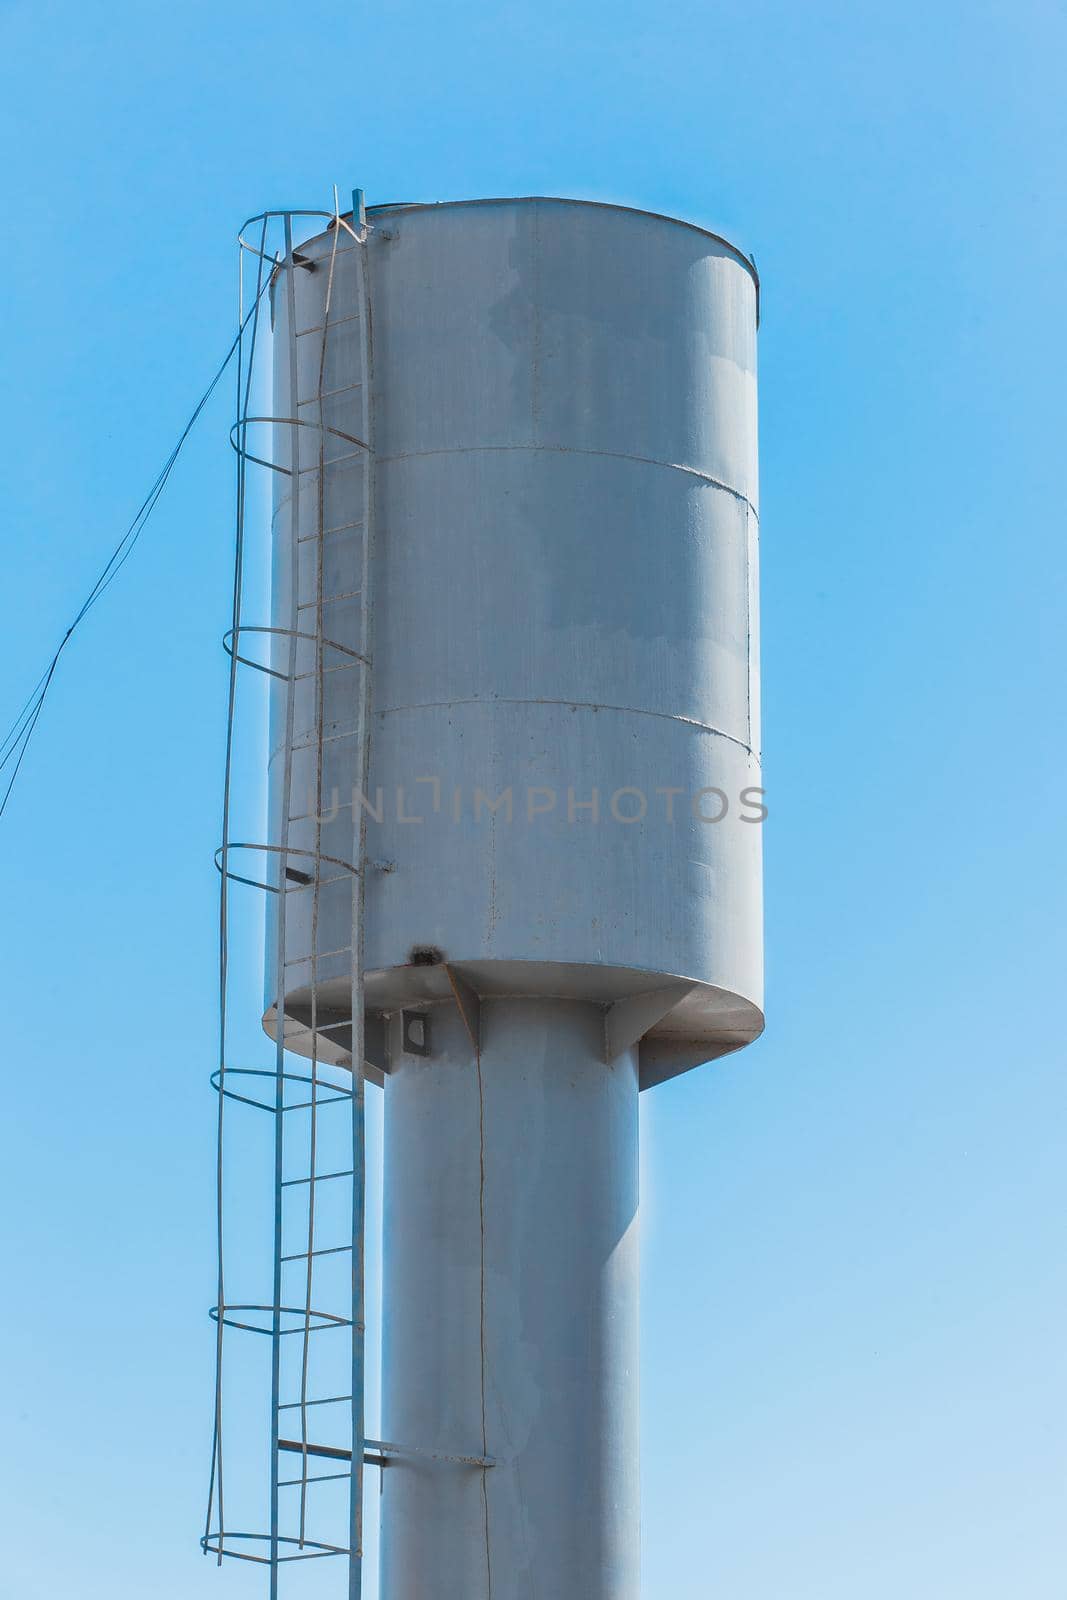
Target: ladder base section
511,1309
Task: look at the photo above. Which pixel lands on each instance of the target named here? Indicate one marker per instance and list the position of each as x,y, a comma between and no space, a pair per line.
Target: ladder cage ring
332,217
283,850
215,1544
290,422
302,1319
286,633
334,1091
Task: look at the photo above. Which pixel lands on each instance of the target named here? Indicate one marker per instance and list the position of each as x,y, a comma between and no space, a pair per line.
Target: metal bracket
415,1033
375,1050
629,1020
469,1005
383,1449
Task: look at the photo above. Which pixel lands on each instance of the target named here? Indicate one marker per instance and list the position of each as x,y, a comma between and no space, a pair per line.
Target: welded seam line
481,1288
576,450
474,1034
578,705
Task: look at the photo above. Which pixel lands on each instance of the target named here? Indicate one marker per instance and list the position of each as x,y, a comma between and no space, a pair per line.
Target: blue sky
853,1378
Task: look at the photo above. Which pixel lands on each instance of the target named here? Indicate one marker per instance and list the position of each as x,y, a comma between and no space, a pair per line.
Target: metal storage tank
561,888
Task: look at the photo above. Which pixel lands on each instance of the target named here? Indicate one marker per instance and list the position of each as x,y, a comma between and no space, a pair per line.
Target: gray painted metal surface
562,873
527,1328
566,582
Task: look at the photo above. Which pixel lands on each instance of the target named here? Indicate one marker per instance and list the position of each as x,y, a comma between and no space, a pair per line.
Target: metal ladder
306,664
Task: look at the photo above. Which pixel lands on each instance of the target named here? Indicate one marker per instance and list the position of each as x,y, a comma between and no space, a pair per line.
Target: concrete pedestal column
511,1310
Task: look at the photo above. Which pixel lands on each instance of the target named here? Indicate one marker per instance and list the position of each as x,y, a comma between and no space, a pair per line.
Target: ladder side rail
355,1570
287,775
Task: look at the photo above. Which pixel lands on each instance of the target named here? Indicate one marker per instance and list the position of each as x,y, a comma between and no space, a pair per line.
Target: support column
511,1310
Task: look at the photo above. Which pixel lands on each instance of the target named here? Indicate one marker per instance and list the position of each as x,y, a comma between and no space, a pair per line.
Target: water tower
513,857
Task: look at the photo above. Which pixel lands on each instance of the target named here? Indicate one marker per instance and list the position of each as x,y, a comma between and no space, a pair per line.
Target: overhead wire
17,739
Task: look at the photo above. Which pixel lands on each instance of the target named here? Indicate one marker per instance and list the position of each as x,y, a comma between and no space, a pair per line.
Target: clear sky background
854,1286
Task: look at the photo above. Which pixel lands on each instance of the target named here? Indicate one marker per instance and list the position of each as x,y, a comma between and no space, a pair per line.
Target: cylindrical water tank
565,739
563,815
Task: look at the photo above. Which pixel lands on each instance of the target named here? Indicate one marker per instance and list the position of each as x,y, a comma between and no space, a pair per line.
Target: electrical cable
16,741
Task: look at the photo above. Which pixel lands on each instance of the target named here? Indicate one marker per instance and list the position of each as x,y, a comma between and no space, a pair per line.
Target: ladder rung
339,527
334,322
334,461
328,394
318,1177
329,599
306,1030
318,1477
338,666
302,1255
321,955
330,1400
